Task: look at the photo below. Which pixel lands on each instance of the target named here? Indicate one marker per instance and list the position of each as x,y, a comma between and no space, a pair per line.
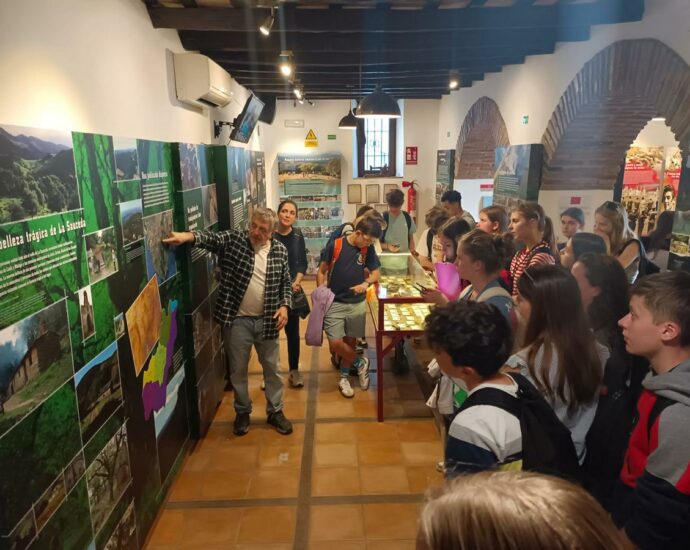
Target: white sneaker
345,388
363,372
295,379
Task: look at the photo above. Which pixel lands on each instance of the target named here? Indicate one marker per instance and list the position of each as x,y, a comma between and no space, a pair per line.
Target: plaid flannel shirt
236,256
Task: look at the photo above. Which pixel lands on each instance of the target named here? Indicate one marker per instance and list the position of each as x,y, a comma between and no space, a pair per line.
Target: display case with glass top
397,307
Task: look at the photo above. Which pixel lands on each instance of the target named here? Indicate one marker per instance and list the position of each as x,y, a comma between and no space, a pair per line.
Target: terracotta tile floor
340,481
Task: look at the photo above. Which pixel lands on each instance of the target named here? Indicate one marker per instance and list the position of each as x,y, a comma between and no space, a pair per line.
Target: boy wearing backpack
652,499
504,422
342,268
472,341
400,230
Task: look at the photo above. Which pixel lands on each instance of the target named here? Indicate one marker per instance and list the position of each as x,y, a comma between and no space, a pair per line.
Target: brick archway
606,106
482,131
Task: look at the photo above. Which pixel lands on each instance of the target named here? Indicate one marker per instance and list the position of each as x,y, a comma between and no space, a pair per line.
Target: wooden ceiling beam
292,19
471,41
328,59
419,67
350,80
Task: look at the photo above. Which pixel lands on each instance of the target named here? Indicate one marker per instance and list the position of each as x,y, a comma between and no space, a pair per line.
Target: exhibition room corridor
341,480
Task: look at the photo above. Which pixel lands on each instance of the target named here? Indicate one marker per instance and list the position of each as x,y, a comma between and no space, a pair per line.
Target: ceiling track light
454,80
298,91
285,63
267,25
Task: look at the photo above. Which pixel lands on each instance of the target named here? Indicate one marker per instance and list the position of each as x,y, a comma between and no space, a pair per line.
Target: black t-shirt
297,253
348,270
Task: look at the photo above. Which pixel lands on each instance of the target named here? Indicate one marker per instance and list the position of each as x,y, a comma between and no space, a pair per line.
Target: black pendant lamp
349,121
378,105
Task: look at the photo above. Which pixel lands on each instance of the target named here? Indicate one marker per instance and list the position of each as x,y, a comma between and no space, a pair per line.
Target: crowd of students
578,351
572,360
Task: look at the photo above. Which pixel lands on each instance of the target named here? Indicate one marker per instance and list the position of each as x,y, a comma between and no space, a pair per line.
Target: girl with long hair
293,240
559,355
611,223
530,226
494,220
429,246
581,243
658,243
450,234
604,291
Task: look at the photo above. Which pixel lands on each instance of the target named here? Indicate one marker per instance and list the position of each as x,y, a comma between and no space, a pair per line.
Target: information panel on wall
445,172
518,173
197,209
642,180
679,256
313,182
240,175
93,411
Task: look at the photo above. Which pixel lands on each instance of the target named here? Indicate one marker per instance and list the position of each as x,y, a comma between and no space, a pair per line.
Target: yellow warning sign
310,140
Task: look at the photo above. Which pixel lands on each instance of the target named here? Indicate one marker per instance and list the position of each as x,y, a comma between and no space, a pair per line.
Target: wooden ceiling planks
409,46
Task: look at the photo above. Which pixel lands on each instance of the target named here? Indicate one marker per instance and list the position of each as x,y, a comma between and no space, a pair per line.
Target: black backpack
547,446
647,266
608,437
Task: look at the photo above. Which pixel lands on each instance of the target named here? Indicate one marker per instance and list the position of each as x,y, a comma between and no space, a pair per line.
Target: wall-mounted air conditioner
200,81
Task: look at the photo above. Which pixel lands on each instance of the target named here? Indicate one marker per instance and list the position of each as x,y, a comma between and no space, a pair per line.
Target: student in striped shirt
472,341
530,226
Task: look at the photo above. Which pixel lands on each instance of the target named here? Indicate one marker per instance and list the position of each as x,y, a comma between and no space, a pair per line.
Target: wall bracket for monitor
218,127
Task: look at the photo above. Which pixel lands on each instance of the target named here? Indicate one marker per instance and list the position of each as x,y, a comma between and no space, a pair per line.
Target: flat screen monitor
246,121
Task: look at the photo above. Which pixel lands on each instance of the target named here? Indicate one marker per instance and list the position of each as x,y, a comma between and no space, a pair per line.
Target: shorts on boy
345,320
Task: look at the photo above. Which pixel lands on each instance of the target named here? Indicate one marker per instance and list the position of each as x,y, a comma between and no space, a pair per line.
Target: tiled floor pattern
340,481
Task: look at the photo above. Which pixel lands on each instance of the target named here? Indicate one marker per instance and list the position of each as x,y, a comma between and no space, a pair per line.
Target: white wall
535,87
95,66
656,133
420,118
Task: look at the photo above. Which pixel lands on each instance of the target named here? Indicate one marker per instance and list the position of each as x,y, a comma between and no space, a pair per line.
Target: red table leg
379,376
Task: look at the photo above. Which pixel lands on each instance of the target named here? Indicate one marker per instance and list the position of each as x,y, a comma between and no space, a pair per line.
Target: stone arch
606,105
482,131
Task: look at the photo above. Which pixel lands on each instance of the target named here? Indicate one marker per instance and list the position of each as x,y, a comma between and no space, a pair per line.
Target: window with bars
376,147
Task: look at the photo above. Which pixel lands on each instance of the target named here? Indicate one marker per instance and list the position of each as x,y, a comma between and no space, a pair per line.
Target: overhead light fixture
378,104
285,63
349,121
454,80
659,119
298,90
267,25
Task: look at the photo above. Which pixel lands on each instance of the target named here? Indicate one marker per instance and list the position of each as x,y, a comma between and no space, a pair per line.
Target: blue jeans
238,340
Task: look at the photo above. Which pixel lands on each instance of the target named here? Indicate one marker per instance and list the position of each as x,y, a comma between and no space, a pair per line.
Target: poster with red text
641,186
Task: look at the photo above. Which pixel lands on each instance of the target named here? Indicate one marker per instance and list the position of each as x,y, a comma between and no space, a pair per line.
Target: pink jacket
321,300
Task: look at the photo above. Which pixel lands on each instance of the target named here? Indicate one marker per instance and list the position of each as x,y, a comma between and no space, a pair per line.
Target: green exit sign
331,136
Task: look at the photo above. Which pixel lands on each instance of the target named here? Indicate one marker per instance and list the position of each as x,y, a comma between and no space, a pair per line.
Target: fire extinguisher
411,198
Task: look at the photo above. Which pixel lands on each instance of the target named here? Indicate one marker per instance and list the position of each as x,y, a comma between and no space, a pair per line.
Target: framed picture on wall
357,207
387,187
354,193
382,208
372,193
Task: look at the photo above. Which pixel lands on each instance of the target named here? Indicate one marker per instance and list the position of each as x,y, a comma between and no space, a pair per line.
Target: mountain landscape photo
37,175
